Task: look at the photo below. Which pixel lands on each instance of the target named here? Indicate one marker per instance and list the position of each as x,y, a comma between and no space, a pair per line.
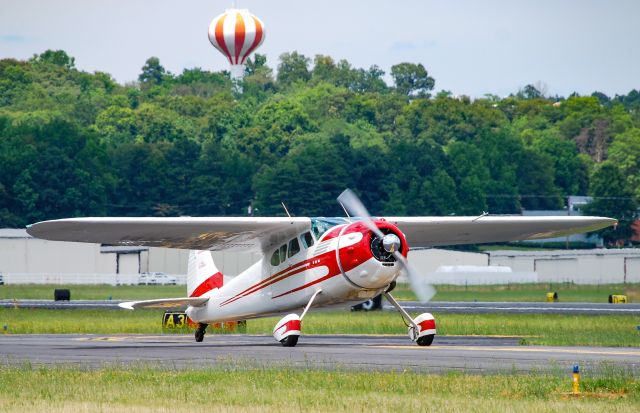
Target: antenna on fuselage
285,209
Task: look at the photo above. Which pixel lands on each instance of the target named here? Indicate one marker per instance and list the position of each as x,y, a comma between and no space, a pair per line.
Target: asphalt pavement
336,352
413,306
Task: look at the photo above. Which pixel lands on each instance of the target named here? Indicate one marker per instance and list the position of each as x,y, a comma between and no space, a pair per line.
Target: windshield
321,225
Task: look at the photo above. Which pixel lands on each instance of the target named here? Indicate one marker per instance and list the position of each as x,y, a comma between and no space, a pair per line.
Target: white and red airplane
308,262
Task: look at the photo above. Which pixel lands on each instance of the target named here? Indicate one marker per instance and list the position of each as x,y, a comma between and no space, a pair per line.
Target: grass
93,292
515,292
567,292
548,329
149,389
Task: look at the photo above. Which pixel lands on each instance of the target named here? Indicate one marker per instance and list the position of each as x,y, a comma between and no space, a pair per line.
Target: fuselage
345,261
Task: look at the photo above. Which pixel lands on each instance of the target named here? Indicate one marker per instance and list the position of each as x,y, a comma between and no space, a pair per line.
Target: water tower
236,33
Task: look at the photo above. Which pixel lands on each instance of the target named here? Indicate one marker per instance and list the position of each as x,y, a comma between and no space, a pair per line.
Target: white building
596,266
26,259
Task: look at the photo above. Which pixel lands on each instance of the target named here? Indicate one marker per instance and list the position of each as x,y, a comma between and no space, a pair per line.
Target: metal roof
566,253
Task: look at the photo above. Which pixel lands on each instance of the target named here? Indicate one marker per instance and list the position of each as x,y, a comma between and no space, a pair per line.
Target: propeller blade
356,208
423,290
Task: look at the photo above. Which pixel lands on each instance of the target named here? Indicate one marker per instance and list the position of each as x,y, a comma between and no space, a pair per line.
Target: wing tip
127,305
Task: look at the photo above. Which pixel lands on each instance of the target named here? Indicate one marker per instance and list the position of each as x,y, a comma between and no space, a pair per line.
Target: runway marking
520,309
126,338
100,339
519,349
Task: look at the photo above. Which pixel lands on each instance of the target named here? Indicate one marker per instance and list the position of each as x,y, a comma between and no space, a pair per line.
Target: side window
275,258
307,239
294,247
283,253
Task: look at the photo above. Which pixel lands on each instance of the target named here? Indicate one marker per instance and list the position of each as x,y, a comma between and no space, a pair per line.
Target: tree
530,92
604,99
56,57
307,180
153,72
293,67
253,65
412,80
535,181
258,82
571,175
625,153
612,198
74,143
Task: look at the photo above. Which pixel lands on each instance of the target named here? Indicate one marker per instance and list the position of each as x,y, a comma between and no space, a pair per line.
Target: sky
470,47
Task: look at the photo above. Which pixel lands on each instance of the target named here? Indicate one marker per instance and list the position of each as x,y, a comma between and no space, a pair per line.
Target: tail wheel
200,331
290,341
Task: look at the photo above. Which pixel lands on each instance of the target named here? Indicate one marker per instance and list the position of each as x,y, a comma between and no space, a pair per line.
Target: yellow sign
178,320
175,320
617,299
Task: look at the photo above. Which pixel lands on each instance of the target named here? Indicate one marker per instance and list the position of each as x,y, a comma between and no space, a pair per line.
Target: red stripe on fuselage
262,283
237,297
215,281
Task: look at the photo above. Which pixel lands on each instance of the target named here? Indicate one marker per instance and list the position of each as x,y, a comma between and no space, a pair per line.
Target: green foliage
412,80
293,67
55,57
613,199
76,143
153,72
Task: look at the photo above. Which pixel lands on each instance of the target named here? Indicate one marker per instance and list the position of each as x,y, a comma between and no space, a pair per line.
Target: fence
77,278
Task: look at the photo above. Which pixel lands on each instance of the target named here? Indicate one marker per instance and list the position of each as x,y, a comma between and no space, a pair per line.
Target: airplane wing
220,233
259,234
440,231
165,303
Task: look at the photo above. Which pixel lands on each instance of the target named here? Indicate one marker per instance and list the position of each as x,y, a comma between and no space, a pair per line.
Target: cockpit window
321,225
307,239
283,253
275,258
294,247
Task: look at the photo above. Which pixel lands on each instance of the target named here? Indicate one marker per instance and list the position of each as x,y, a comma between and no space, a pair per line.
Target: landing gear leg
422,329
200,331
288,329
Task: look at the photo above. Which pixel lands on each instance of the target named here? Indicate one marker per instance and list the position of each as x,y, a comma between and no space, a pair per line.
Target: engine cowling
367,260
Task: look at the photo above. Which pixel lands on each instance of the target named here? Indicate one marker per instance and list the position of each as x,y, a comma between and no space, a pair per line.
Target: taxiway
348,352
466,307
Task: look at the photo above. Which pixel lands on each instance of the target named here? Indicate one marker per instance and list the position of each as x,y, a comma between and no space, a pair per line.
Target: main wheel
425,340
290,341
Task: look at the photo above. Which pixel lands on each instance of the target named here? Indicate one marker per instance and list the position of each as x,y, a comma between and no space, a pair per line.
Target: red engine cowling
362,258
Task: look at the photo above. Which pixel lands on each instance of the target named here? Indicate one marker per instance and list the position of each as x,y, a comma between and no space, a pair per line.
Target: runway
413,306
467,307
346,352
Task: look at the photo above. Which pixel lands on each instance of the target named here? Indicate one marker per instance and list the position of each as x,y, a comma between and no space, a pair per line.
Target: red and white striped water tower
236,33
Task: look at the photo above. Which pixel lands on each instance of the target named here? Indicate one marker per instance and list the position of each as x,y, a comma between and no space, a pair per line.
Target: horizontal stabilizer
165,303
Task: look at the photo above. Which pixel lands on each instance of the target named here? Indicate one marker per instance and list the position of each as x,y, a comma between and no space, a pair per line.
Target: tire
199,336
425,340
368,305
290,341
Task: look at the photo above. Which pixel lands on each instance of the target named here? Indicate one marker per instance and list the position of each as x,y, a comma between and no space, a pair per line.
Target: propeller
391,244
